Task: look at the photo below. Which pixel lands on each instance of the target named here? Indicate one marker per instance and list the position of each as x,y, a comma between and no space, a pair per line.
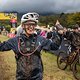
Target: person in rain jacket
27,48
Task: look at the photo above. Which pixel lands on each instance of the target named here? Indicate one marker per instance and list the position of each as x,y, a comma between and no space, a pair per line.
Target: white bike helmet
30,17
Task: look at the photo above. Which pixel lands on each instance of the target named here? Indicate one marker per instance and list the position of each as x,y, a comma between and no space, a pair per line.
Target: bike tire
62,60
76,68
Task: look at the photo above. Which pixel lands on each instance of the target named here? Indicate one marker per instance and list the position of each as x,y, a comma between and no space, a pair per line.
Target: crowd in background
54,33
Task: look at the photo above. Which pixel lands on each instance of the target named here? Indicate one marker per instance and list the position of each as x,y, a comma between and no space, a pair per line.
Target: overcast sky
40,6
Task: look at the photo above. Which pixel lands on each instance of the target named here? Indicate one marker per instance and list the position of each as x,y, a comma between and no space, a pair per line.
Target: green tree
73,18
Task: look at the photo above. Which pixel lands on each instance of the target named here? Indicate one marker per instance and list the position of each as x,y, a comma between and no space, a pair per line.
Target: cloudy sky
40,6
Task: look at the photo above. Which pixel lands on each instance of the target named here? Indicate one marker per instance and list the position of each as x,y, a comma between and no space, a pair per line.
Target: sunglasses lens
30,26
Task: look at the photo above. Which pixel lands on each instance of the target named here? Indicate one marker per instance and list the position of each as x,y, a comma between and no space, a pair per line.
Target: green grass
3,38
51,71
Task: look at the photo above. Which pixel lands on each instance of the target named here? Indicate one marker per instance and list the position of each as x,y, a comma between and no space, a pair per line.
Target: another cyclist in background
74,37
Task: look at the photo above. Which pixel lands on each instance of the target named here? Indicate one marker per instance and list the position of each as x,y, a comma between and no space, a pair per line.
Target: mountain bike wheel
62,60
76,69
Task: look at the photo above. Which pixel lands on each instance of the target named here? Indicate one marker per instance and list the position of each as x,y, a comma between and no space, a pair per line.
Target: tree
73,18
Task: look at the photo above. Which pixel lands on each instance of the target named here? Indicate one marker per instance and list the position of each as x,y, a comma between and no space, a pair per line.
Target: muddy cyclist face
29,27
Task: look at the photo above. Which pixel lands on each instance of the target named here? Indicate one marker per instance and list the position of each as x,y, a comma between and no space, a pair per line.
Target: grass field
51,71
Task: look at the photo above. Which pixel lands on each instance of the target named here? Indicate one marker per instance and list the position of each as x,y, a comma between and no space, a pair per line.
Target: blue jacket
28,67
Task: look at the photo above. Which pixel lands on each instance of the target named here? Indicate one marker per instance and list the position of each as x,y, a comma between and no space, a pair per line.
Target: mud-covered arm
49,45
7,45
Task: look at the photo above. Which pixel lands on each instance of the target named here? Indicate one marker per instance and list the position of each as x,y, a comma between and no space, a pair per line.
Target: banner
8,16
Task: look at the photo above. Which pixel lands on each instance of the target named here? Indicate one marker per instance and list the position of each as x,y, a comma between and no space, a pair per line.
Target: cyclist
27,49
73,37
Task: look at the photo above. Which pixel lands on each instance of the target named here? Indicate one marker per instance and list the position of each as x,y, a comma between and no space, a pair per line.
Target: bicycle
63,59
76,64
72,59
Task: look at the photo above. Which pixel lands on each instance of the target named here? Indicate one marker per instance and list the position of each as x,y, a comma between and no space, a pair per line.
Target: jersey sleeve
8,45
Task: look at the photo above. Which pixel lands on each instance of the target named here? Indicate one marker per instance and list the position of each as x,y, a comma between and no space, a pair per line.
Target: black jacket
29,67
